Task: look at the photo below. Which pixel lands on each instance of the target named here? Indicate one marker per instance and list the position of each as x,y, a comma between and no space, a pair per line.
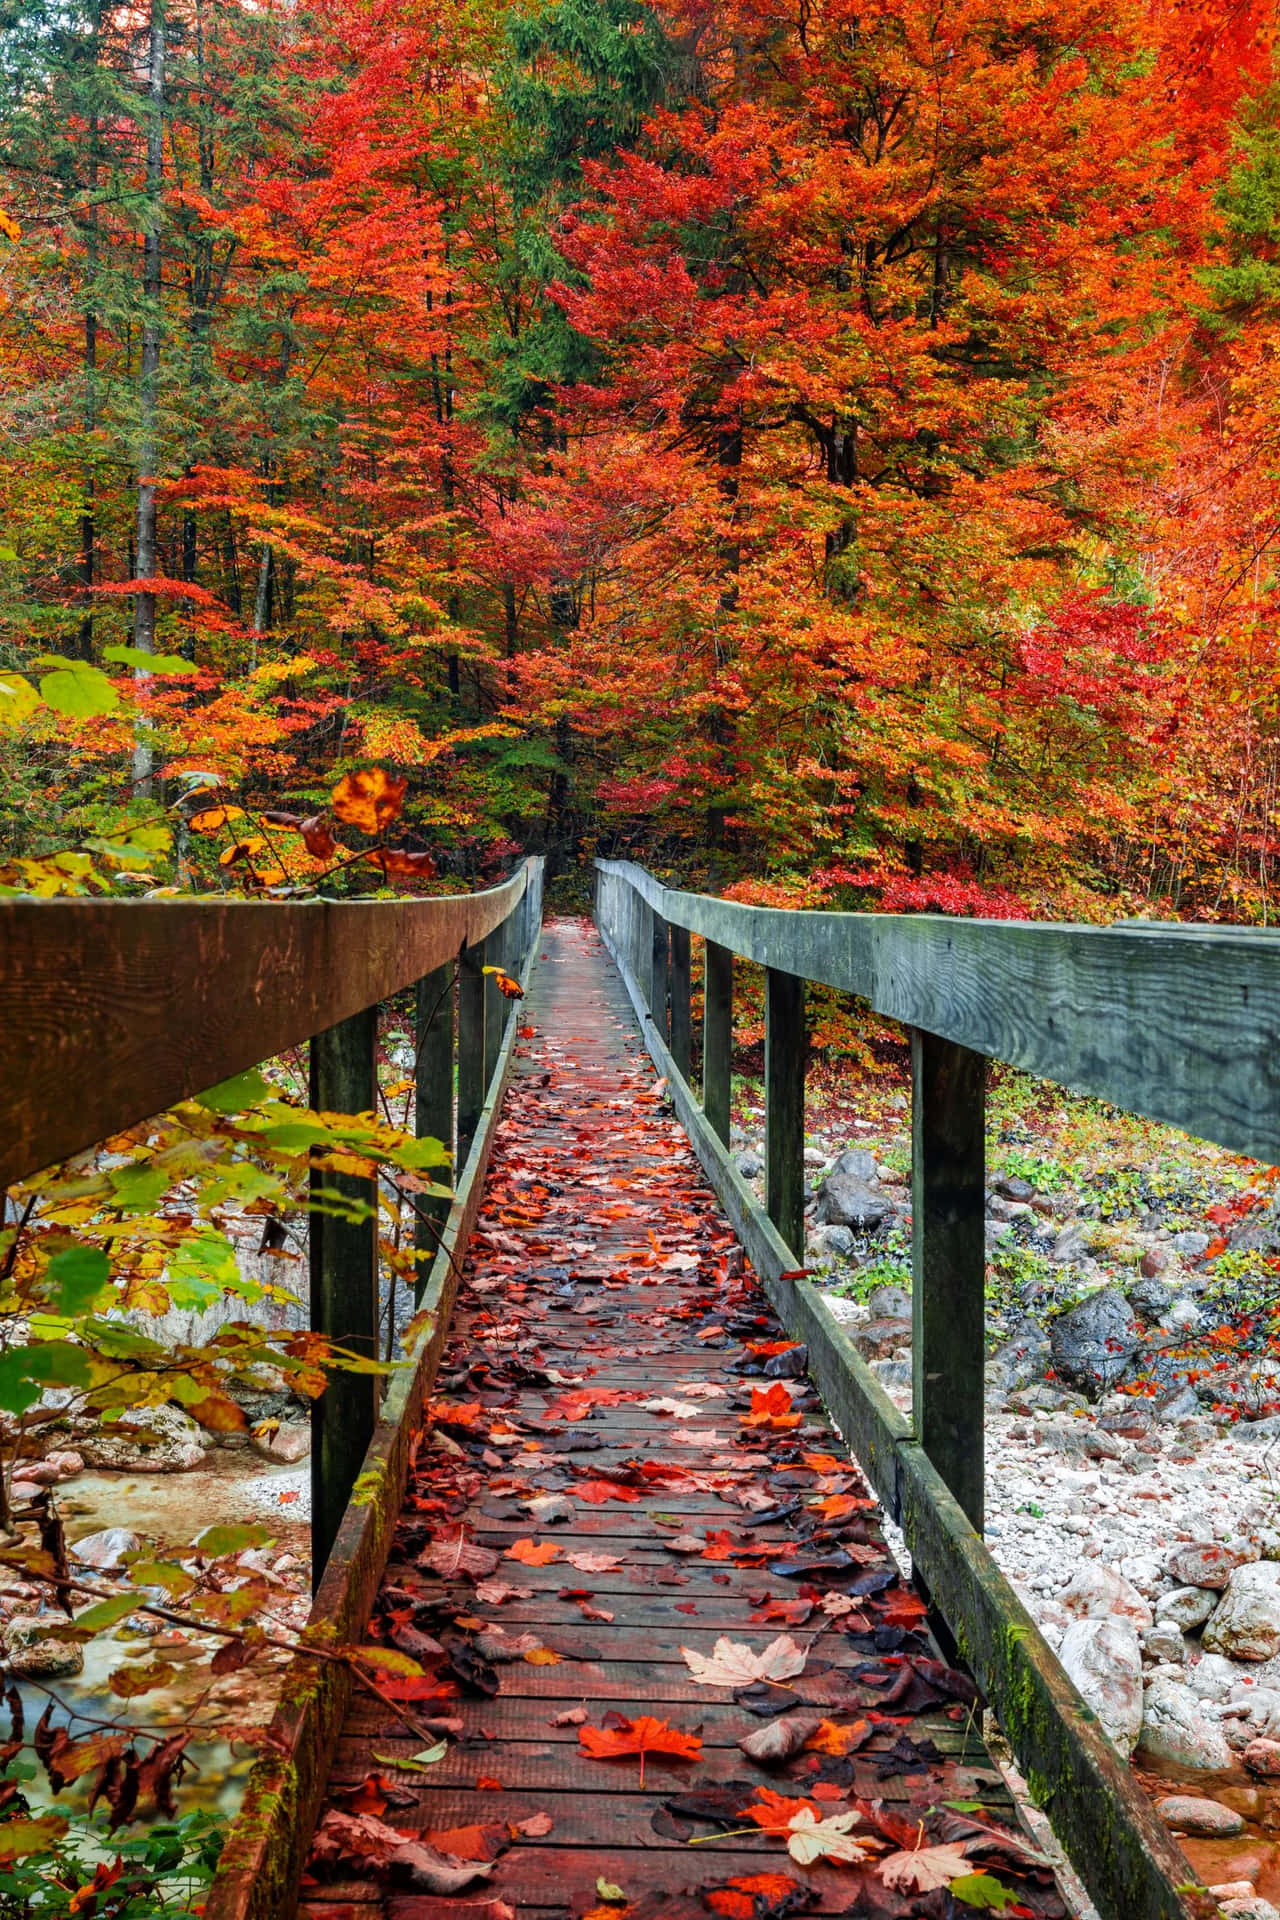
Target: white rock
1095,1592
1174,1728
1186,1607
145,1440
1212,1678
1104,1659
1246,1621
1252,1907
31,1656
105,1550
1164,1642
1208,1819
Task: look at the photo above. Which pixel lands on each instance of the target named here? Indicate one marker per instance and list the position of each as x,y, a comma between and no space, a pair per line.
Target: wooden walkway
618,1397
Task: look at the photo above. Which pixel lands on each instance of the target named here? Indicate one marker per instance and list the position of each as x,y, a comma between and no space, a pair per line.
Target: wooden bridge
639,1444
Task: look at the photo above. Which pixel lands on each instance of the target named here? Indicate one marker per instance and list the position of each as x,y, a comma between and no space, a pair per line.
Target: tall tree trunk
88,504
144,605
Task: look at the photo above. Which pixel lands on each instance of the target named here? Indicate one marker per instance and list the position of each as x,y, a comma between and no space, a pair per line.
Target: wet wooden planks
602,1279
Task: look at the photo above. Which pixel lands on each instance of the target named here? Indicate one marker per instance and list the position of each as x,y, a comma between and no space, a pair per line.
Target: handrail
1179,1023
1102,1010
112,1010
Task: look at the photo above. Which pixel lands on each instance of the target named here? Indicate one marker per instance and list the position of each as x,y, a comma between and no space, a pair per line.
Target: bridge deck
602,1278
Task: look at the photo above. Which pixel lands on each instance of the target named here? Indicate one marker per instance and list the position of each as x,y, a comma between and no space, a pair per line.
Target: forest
830,449
825,453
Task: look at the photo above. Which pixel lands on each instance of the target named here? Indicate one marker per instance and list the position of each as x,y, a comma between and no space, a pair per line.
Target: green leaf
425,1152
138,1187
608,1892
417,1762
24,1370
214,1542
387,1660
175,1581
984,1891
148,662
78,690
78,1275
106,1613
202,1269
18,701
234,1095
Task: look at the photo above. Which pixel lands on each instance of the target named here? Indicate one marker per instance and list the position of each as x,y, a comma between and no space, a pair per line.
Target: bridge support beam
948,1298
658,974
344,1283
681,991
717,1038
433,1107
471,1047
784,1063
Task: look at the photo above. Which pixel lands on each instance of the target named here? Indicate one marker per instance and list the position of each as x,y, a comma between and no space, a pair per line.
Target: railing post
433,1106
471,1025
948,1110
717,1037
344,1284
658,974
495,1003
784,1062
680,984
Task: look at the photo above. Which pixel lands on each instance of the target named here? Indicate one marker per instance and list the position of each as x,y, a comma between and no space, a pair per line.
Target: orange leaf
771,1408
487,1784
531,1554
597,1491
827,1737
317,838
543,1657
635,1738
774,1812
469,1843
370,799
398,864
748,1896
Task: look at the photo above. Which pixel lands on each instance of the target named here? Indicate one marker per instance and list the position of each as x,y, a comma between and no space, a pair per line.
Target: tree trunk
144,605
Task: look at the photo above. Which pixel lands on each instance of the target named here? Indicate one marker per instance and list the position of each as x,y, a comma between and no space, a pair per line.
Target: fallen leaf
812,1839
594,1562
733,1664
470,1843
827,1737
924,1868
430,1872
534,1554
487,1784
607,1891
779,1739
596,1492
758,1896
456,1556
774,1812
771,1409
627,1739
571,1717
543,1657
492,1593
415,1762
536,1827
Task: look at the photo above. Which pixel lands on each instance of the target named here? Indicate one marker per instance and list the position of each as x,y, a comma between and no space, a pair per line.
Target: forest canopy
828,450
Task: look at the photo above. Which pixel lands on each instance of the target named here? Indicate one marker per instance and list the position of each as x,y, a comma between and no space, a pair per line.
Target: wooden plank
126,1007
343,1260
717,1038
1131,1867
784,1064
433,1103
949,1257
495,1003
1142,1019
266,1846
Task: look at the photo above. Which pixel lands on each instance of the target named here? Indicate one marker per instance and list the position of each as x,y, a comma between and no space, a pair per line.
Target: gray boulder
1093,1343
145,1440
1104,1659
851,1196
1245,1624
32,1656
1186,1608
1175,1729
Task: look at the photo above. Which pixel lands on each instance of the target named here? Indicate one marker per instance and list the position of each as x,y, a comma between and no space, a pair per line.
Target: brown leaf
779,1739
369,800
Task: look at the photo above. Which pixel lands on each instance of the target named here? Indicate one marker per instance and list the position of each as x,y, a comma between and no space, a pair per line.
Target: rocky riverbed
1133,1444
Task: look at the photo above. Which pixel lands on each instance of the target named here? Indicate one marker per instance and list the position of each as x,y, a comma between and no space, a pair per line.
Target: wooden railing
111,1012
1178,1023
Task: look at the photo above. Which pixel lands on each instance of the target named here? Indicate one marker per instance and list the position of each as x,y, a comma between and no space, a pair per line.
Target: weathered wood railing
1178,1023
112,1011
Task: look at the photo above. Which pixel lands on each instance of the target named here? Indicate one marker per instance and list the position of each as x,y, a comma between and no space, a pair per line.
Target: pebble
1263,1757
1207,1819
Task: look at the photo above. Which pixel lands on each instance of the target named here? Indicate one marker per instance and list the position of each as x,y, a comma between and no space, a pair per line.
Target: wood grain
111,1011
1179,1023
